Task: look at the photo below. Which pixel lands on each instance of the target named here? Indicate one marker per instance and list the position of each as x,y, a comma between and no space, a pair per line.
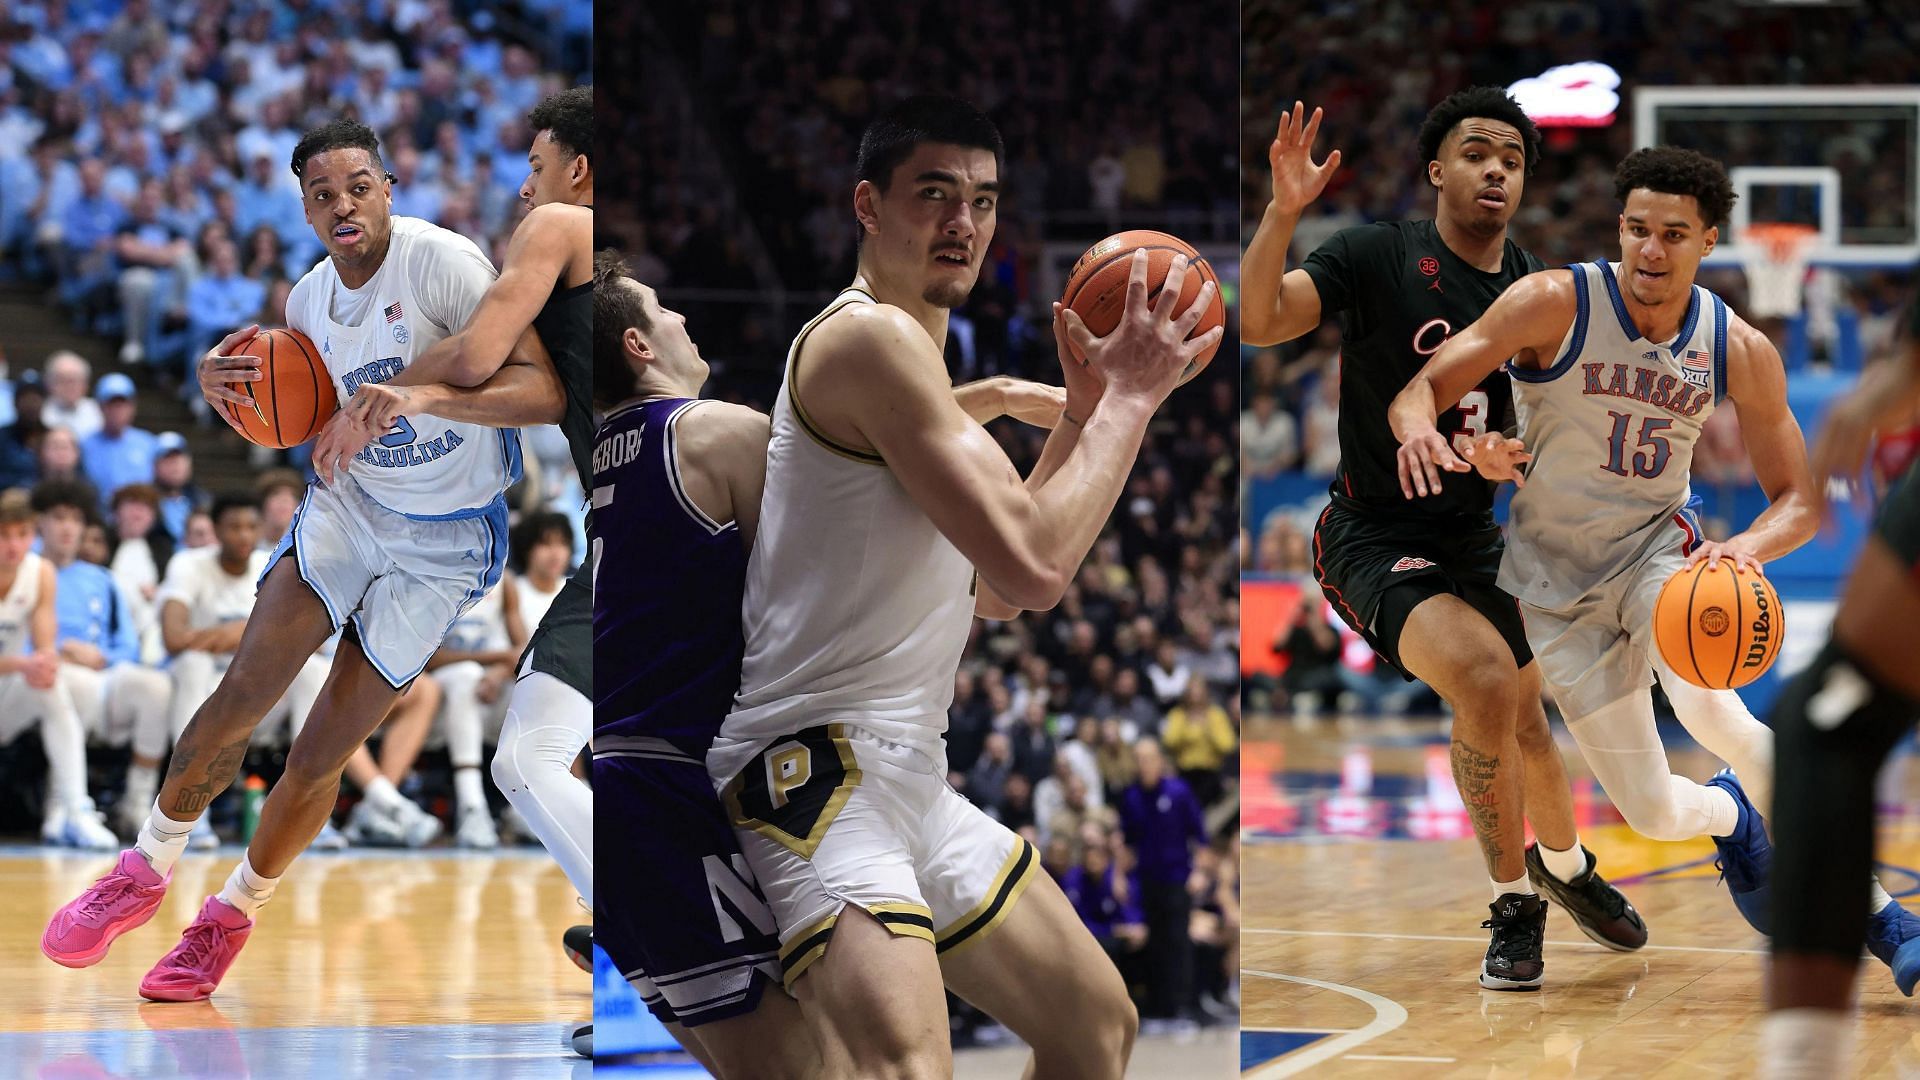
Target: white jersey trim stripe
671,462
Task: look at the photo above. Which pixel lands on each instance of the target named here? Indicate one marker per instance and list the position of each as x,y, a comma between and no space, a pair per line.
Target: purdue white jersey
426,289
1611,426
856,607
16,608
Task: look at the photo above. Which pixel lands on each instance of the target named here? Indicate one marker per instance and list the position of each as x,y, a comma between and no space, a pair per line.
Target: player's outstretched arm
1757,384
887,381
543,245
1886,395
1294,307
1527,320
1002,395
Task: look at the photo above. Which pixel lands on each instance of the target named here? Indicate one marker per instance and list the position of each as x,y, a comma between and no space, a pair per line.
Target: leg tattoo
220,772
1473,772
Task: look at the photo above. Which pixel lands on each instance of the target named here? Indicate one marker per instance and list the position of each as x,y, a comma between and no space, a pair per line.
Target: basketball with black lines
1097,287
294,396
1719,629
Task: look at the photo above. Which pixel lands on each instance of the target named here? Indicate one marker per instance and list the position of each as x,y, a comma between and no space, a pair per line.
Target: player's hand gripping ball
1097,287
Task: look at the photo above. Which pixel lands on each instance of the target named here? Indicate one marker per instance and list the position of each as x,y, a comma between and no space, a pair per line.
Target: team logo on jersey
1430,266
1409,562
794,789
1696,366
400,333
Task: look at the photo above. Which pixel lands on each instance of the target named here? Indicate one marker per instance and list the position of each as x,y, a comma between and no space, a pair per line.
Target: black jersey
565,326
1400,292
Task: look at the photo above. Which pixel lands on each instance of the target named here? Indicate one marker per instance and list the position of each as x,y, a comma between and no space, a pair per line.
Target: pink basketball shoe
207,949
79,934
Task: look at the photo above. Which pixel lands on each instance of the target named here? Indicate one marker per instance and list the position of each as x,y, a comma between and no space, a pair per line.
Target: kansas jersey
857,608
16,608
427,288
1400,292
1611,426
666,627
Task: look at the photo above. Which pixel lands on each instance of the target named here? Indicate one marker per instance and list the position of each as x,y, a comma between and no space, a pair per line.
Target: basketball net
1776,267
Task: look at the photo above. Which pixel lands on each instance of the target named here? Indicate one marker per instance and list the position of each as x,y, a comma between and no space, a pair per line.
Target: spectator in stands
59,456
1321,429
200,533
1312,649
157,266
1115,756
1200,737
1126,702
969,721
1168,675
1162,823
220,301
173,479
84,253
140,548
279,492
1269,439
68,405
1033,746
1214,888
119,453
1106,900
119,700
987,780
18,440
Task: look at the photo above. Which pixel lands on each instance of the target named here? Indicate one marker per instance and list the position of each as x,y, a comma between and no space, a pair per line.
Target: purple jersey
666,623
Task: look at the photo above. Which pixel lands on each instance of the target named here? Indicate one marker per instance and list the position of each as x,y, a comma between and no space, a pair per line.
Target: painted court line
1482,941
1394,1057
1298,1030
1387,1015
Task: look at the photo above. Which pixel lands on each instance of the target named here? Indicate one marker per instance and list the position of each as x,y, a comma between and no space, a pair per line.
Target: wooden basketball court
405,964
1361,953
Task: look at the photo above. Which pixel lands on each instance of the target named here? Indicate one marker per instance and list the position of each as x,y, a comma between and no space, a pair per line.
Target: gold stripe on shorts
806,946
903,920
1008,884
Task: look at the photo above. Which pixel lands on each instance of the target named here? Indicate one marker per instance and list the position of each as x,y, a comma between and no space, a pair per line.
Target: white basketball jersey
16,608
427,288
534,601
1611,426
482,627
856,607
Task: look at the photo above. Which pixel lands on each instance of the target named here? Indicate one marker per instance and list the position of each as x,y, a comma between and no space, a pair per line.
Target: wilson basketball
1718,629
1097,287
294,396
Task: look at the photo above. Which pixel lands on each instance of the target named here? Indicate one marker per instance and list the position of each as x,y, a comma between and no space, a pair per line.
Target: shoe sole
1906,966
199,992
1495,982
1601,939
99,952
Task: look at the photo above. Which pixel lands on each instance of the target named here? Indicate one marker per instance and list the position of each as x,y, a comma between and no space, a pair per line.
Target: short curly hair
1673,170
569,115
1487,102
341,133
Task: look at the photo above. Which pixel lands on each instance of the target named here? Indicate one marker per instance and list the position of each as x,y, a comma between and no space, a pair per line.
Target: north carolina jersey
857,608
666,628
1611,426
16,608
426,289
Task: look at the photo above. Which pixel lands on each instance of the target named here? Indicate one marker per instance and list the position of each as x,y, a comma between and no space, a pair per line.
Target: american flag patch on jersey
394,312
1696,360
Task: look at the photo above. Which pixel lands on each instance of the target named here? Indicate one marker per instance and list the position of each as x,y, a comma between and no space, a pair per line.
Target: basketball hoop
1776,267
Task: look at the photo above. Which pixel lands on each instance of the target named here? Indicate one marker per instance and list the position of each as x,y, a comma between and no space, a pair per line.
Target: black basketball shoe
578,942
1598,909
1519,926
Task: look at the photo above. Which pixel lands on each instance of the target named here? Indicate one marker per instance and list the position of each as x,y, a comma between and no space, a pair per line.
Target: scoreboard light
1585,94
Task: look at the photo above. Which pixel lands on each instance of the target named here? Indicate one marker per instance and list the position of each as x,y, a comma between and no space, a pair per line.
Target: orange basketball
1097,287
294,396
1719,629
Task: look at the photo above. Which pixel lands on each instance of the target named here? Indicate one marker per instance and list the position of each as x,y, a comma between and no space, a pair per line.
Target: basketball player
546,284
394,550
31,689
1834,727
889,517
680,481
1417,579
1616,367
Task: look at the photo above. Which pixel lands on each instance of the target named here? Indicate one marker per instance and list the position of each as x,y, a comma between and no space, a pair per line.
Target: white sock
162,839
1519,885
1723,814
247,891
1805,1044
467,790
384,796
1565,865
1877,898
